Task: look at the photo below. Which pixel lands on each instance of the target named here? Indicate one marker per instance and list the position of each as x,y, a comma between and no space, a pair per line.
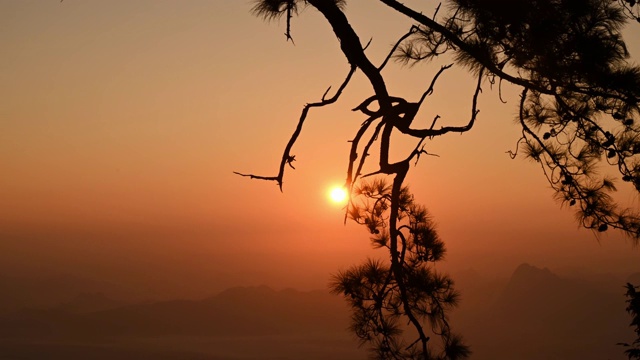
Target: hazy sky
121,123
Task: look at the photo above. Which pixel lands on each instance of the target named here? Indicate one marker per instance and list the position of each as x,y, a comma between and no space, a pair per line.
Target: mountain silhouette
247,323
85,303
236,311
540,315
535,314
52,291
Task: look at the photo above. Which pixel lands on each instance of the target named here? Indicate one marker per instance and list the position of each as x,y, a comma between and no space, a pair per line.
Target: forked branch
287,158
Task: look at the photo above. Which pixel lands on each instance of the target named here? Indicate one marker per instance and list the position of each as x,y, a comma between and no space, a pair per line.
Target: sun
338,194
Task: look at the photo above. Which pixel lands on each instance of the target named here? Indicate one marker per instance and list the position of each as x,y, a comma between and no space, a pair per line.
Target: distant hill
540,315
246,311
85,303
19,293
242,323
478,293
533,315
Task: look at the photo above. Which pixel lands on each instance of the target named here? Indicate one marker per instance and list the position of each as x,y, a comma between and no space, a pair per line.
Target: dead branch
287,158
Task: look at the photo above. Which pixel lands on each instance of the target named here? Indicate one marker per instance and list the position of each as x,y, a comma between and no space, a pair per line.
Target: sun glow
338,194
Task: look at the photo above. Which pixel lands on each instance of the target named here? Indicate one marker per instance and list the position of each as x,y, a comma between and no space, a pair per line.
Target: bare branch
270,178
422,133
433,82
287,158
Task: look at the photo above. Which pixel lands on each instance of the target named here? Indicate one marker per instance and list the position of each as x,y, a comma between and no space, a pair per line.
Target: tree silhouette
383,299
578,108
633,299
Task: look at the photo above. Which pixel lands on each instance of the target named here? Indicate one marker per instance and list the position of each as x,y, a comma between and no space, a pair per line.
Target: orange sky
121,123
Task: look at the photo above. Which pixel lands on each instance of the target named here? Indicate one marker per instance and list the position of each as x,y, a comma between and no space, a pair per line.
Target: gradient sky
121,123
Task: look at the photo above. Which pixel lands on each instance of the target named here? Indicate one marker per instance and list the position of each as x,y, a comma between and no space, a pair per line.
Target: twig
287,158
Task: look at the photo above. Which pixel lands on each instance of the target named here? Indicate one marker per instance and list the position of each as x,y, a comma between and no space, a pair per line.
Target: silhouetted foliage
631,8
579,94
633,308
384,298
579,107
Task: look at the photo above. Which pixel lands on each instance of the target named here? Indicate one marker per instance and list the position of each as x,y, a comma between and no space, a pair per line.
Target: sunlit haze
122,123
